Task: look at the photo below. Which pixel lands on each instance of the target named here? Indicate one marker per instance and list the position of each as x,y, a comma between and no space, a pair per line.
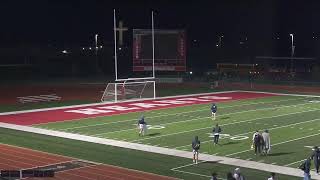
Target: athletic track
17,158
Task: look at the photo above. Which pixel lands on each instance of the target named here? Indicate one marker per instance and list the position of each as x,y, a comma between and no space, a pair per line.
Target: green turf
149,162
293,122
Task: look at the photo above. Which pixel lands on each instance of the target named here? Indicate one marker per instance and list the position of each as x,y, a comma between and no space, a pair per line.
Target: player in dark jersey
316,158
213,111
216,133
142,126
195,149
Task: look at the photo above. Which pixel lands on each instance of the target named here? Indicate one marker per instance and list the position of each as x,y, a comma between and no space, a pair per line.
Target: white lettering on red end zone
88,111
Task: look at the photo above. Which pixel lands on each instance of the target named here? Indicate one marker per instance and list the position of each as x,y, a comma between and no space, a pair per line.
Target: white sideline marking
294,162
195,119
238,122
278,127
175,114
291,140
283,94
196,174
187,165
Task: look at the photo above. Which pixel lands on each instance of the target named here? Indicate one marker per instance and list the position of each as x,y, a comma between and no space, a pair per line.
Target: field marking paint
107,103
291,140
294,162
278,127
196,174
136,146
187,165
238,122
173,114
282,94
204,118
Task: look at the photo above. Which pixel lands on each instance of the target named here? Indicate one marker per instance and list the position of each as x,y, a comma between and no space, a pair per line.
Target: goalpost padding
122,91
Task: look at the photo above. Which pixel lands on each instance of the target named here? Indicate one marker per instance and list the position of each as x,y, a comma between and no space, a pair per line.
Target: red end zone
88,111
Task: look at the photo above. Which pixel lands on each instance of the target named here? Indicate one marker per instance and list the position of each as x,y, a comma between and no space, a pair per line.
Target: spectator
214,176
230,176
266,142
305,167
237,174
316,158
257,142
273,176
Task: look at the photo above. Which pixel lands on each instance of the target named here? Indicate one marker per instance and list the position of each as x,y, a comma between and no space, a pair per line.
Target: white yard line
238,122
197,119
278,127
175,114
291,140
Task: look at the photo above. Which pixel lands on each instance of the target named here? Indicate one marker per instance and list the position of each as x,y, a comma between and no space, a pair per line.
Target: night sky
249,27
76,21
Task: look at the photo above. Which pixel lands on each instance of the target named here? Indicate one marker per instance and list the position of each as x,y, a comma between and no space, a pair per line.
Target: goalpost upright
124,82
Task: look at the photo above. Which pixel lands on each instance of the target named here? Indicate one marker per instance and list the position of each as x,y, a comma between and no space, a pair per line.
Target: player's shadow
231,142
280,153
154,134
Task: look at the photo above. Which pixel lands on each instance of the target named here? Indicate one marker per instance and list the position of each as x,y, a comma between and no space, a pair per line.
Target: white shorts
195,152
143,127
213,113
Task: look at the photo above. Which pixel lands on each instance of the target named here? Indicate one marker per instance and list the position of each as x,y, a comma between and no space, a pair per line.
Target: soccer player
142,126
213,111
266,142
216,133
316,158
195,149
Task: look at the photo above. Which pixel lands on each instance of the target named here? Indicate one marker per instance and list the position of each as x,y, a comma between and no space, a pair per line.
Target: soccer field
293,123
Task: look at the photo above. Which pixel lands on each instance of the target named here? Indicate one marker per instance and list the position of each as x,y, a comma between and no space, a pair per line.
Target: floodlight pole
152,29
292,52
115,44
153,67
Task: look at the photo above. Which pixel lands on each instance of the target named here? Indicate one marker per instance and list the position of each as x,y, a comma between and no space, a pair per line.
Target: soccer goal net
122,91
